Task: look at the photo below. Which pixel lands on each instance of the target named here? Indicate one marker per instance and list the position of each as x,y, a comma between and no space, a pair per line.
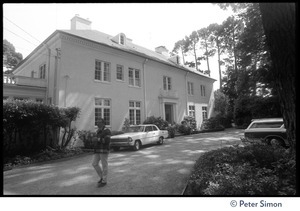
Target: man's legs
95,164
104,162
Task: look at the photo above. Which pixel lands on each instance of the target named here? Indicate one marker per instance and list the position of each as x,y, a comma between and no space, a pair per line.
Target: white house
113,78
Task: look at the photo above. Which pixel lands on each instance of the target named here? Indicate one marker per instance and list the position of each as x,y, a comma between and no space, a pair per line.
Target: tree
179,45
191,43
209,51
11,58
216,37
278,21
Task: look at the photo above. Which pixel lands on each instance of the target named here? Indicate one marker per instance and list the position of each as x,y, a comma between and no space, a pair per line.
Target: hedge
29,126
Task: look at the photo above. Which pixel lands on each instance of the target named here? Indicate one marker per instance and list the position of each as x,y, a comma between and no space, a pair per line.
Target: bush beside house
30,127
251,170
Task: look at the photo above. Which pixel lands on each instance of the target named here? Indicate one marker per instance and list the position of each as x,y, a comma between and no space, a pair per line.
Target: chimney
176,59
162,50
78,23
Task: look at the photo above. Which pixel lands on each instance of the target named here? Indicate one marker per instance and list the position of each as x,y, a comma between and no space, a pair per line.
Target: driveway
154,170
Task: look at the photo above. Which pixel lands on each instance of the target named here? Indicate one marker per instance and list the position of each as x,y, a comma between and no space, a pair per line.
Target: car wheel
116,148
137,145
160,141
277,142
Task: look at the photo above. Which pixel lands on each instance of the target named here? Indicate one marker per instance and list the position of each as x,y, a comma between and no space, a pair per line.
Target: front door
169,113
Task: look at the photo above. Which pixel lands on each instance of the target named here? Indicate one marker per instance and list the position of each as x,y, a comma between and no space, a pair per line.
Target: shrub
184,128
126,125
30,126
250,170
171,131
86,137
212,123
158,121
191,122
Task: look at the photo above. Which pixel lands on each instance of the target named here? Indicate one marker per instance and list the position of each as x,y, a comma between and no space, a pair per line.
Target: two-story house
113,78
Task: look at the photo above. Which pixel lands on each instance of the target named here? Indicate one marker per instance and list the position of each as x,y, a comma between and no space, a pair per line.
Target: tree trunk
279,25
195,54
219,64
207,60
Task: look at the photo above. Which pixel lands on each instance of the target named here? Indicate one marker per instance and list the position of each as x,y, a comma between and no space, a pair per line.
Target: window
204,112
148,129
267,125
102,71
32,74
202,90
120,74
42,71
190,88
135,112
122,40
134,77
167,83
192,111
102,110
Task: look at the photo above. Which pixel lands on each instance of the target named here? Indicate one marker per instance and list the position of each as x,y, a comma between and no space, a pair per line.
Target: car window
267,125
148,128
154,128
136,129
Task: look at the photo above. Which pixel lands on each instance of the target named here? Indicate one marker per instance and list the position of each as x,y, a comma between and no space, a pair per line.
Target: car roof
268,120
143,125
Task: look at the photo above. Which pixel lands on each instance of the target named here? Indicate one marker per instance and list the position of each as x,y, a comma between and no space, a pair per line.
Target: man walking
101,151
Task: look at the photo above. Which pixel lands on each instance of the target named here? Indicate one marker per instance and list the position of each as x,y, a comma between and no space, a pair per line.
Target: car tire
276,142
160,141
116,149
137,145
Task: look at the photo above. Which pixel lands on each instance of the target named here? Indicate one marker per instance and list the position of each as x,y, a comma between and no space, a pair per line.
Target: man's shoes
100,181
102,184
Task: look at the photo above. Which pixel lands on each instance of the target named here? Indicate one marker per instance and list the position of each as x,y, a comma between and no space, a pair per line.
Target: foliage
250,170
191,121
69,115
254,107
126,125
221,102
158,121
185,128
87,136
171,130
44,155
212,123
10,57
30,126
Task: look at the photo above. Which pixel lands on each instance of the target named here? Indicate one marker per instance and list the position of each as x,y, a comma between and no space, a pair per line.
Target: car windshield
267,125
136,129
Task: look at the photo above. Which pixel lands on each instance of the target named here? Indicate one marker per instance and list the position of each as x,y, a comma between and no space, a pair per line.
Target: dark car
269,131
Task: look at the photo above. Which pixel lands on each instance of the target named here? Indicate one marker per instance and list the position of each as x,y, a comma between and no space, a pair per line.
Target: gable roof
105,39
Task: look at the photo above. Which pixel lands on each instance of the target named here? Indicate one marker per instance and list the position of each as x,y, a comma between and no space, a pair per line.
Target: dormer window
122,40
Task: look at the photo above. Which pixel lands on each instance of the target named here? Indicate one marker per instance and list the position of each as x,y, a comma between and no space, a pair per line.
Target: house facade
112,78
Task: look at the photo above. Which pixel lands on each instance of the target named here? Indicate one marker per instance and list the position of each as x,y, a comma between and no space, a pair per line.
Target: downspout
144,81
186,93
48,74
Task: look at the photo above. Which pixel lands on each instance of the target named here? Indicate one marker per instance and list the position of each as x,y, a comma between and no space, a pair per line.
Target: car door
149,134
155,134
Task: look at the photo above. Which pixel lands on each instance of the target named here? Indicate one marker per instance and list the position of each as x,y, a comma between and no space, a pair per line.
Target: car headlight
130,139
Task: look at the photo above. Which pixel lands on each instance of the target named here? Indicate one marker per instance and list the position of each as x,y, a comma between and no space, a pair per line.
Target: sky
148,24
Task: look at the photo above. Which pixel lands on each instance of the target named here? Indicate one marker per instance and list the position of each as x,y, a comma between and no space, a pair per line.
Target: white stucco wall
75,84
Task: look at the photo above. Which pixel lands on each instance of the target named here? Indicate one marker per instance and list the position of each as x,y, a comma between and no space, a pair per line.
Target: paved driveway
154,170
